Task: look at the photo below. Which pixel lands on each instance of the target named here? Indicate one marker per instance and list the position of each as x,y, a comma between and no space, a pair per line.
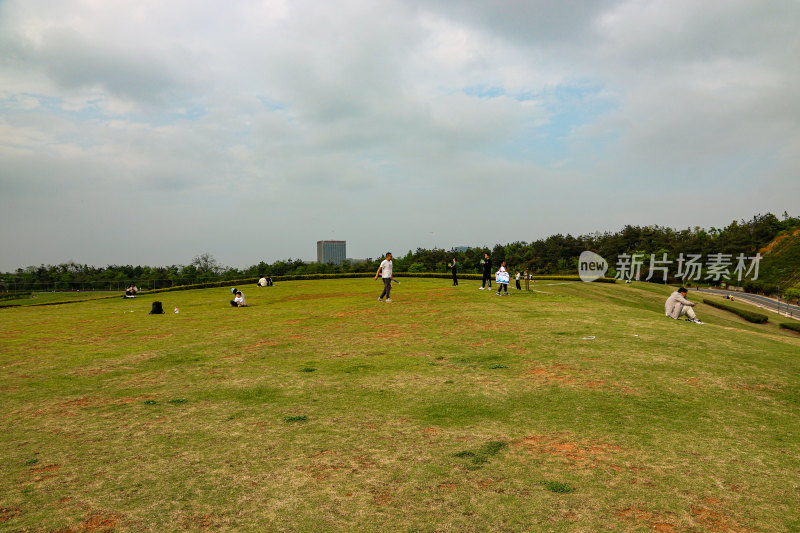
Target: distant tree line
556,254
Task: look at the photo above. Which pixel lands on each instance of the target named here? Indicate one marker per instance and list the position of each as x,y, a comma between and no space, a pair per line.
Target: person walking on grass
502,277
385,271
487,271
677,305
454,270
519,287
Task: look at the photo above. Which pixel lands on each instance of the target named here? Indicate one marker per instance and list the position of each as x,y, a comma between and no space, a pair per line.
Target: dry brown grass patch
709,512
202,521
583,453
7,514
488,482
100,522
640,517
260,344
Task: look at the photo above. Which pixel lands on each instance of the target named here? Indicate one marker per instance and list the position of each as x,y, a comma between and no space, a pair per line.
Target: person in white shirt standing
385,271
502,278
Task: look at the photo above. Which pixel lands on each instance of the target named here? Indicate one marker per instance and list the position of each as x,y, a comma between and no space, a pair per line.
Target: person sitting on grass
677,305
131,291
238,300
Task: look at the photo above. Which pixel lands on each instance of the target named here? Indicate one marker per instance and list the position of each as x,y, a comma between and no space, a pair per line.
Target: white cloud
309,117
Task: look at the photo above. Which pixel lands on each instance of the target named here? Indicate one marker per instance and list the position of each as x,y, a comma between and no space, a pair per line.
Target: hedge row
6,306
794,326
750,316
14,295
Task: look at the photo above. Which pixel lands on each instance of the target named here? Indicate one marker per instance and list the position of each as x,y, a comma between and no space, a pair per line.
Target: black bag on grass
157,309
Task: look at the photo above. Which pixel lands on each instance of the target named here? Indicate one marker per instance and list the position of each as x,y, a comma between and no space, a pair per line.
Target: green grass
318,408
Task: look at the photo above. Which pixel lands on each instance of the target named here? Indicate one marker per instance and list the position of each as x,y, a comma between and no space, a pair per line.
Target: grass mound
320,409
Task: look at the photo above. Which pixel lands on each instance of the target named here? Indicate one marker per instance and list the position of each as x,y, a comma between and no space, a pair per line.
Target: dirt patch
710,513
48,468
447,486
517,349
562,374
43,473
641,517
100,522
555,374
382,497
488,482
577,453
768,248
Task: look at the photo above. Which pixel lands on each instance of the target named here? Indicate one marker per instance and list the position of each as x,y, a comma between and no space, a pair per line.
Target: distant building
462,248
331,252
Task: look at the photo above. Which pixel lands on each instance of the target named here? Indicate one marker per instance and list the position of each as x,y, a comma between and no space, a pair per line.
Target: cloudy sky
149,132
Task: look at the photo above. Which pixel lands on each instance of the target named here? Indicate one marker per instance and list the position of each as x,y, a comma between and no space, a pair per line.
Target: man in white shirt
385,271
262,282
677,306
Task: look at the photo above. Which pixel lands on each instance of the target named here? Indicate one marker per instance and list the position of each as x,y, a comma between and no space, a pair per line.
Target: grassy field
576,408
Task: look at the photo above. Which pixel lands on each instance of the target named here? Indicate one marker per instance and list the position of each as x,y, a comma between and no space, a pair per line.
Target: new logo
591,266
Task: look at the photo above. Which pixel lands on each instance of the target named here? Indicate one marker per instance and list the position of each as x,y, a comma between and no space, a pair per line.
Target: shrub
794,326
558,487
750,316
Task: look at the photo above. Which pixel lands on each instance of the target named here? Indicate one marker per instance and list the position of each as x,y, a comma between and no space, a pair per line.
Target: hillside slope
780,264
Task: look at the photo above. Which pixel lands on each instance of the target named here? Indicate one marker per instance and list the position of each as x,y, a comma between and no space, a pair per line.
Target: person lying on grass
677,306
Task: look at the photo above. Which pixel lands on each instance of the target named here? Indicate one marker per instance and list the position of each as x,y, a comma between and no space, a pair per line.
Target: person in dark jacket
487,271
454,270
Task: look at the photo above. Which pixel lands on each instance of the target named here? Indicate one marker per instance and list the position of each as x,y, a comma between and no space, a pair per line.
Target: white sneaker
380,300
697,321
388,300
480,288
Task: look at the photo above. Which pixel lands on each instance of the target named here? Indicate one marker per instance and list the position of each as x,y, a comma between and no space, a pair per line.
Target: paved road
769,303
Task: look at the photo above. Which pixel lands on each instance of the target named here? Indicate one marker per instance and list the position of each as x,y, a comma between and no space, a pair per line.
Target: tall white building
331,252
